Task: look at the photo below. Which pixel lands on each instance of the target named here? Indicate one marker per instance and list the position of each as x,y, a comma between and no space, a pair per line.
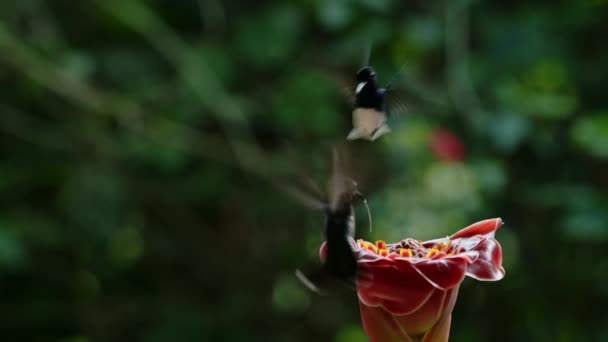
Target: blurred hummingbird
340,264
339,228
372,106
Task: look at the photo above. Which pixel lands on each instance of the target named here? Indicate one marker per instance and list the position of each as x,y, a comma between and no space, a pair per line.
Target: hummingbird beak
359,87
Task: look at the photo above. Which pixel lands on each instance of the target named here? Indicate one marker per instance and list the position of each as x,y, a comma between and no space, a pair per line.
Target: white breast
368,123
359,87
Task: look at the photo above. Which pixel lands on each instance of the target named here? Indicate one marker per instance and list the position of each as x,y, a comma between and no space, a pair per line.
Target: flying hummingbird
340,264
372,106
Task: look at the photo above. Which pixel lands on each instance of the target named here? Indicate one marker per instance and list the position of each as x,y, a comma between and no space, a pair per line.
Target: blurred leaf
80,64
491,175
377,5
509,130
217,59
591,134
126,246
304,104
564,196
93,197
420,36
591,226
131,68
180,324
511,249
77,339
166,152
335,15
543,92
87,285
547,76
409,141
34,228
289,295
269,37
12,251
451,183
351,334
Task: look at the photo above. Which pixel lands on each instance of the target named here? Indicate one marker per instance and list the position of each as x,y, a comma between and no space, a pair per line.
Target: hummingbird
340,263
372,106
339,227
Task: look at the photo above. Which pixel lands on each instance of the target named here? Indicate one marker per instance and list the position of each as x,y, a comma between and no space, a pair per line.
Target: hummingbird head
366,74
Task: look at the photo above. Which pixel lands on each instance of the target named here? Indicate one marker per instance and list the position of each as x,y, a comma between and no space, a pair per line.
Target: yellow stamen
405,252
384,252
381,244
432,252
370,246
447,246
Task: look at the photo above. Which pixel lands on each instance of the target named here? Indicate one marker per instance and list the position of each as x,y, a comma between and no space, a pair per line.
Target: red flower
407,290
447,146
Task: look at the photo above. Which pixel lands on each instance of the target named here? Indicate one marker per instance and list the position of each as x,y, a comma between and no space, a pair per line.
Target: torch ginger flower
407,290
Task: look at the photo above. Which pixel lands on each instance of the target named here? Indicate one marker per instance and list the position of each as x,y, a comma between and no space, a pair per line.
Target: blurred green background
142,142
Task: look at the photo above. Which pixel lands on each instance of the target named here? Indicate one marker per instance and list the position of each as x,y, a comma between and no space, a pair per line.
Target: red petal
393,284
422,320
488,265
381,326
486,227
431,243
441,330
443,273
426,319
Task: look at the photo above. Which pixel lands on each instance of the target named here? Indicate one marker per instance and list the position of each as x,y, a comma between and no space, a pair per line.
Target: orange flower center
410,248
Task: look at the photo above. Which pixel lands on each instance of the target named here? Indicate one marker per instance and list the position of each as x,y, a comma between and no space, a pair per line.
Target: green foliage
591,134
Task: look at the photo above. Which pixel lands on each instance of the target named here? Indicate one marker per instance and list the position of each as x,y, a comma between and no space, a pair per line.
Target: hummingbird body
368,95
340,261
369,115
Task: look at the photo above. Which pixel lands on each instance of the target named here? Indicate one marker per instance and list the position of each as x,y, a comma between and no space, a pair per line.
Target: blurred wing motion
347,92
339,266
395,101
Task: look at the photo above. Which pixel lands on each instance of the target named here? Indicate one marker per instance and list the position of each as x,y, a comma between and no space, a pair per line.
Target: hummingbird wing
400,101
407,95
321,282
395,101
347,90
338,271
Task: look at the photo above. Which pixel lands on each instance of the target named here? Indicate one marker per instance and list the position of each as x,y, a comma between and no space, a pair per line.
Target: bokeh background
144,145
